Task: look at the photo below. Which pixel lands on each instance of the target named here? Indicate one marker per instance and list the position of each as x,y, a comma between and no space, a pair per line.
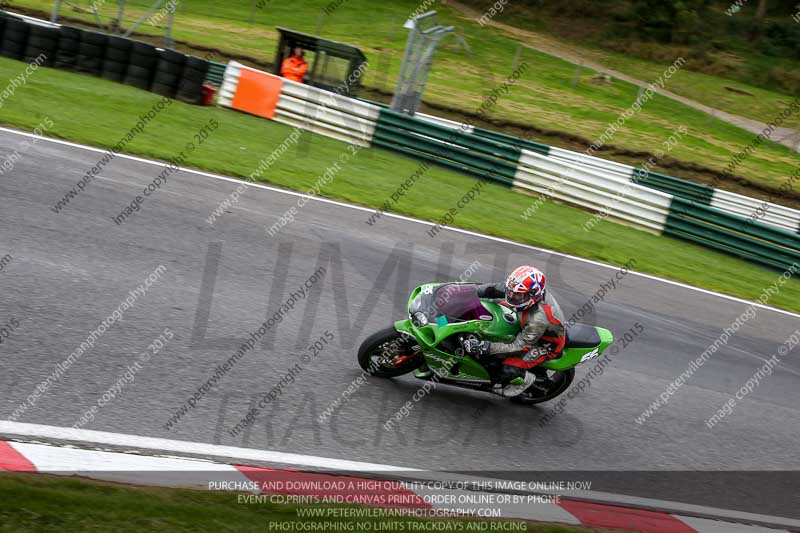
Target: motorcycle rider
542,336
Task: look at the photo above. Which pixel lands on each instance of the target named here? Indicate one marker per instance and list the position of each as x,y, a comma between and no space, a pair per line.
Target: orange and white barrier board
327,113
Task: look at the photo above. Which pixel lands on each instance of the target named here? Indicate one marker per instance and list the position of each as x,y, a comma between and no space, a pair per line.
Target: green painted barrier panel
453,148
533,146
453,165
739,224
216,72
445,151
396,120
722,231
697,192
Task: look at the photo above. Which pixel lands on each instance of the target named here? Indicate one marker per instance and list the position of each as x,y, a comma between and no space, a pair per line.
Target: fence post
117,24
168,42
54,14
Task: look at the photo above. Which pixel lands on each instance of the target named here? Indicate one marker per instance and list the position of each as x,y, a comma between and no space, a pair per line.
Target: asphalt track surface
72,269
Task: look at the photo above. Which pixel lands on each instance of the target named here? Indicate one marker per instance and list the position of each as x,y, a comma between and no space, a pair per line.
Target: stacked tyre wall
142,65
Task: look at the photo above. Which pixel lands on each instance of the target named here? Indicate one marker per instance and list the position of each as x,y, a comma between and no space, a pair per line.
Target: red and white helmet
524,288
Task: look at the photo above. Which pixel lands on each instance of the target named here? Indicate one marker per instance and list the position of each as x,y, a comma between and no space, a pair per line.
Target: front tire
561,381
388,354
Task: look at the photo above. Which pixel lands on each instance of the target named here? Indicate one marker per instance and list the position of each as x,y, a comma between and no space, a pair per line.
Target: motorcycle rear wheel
380,352
561,381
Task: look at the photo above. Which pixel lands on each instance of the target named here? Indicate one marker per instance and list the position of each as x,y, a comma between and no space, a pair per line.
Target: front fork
406,344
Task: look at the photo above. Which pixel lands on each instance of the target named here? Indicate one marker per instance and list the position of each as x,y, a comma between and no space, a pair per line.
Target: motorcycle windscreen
458,303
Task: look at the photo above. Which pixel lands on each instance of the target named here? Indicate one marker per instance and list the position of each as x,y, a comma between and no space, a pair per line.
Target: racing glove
474,347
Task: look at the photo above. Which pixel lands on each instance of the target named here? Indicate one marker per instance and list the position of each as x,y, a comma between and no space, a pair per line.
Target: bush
784,78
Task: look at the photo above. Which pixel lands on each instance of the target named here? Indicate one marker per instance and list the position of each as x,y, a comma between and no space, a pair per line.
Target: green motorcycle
441,316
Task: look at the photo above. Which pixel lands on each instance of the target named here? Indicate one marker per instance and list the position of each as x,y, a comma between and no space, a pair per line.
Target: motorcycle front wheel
388,354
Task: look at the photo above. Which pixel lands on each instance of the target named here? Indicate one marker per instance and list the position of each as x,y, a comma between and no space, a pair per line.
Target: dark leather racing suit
542,337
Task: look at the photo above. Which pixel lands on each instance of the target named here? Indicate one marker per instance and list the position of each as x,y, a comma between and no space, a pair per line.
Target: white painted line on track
402,217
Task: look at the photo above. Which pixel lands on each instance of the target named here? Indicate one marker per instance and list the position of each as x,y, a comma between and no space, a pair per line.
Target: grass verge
723,79
37,502
98,112
552,94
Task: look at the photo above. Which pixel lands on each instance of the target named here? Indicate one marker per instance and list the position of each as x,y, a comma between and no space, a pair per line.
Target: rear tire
373,352
532,396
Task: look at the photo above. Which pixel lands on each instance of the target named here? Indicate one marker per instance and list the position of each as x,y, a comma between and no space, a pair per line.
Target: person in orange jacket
294,67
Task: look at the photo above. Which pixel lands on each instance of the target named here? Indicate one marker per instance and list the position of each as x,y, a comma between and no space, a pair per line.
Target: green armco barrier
440,150
391,119
453,148
696,192
736,223
754,242
459,167
533,146
216,71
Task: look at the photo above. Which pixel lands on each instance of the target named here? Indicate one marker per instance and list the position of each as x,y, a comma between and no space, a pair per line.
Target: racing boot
516,386
423,372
